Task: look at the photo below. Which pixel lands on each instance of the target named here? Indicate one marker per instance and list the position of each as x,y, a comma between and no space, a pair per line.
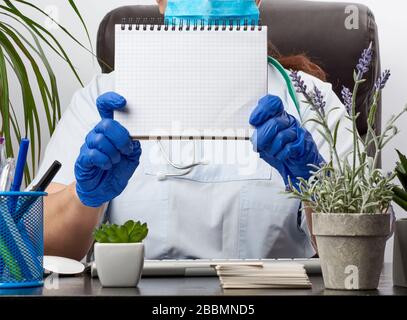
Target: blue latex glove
108,158
282,142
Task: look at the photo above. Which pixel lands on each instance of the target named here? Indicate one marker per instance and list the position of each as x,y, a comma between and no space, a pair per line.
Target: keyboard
204,267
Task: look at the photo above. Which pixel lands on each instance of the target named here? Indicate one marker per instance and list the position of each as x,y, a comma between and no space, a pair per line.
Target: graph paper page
196,83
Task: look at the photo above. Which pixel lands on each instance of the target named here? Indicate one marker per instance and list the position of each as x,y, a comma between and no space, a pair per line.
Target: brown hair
298,62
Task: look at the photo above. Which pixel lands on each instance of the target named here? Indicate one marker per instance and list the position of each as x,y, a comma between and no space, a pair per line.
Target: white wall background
390,16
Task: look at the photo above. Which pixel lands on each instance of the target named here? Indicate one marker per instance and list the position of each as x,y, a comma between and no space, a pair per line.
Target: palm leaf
40,31
44,90
23,57
69,34
52,92
75,9
4,103
55,103
30,111
402,165
400,197
401,169
42,85
14,122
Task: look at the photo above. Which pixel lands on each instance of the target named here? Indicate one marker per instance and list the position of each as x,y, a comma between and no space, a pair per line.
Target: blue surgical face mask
239,11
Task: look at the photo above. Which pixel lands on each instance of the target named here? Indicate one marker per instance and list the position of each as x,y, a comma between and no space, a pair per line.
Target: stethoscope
183,170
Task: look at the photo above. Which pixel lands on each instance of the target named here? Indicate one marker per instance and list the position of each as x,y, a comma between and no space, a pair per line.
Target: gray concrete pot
400,254
351,249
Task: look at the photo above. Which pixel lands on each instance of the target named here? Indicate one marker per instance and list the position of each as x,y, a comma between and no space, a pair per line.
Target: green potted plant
350,197
400,230
119,253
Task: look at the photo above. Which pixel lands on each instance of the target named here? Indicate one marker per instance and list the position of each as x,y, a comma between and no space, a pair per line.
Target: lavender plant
352,184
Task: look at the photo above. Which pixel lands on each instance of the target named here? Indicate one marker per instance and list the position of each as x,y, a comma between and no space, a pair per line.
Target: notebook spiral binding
189,24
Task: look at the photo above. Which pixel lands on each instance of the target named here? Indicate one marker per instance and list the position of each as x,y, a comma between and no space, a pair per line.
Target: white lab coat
226,209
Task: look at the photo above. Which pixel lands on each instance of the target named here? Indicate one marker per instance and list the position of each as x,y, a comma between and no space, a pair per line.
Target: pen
18,175
29,201
40,186
2,158
17,251
18,244
20,165
2,153
47,177
2,165
6,176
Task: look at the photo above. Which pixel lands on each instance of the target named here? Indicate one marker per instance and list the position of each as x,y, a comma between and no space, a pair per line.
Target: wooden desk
86,287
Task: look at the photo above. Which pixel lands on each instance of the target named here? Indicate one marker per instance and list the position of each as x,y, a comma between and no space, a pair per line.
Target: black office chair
315,28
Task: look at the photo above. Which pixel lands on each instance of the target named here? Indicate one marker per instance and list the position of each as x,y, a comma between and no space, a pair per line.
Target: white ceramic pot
351,248
119,264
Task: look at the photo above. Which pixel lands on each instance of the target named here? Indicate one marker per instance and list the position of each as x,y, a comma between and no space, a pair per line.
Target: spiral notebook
192,81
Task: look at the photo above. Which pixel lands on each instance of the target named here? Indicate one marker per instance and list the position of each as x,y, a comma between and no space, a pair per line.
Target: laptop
204,267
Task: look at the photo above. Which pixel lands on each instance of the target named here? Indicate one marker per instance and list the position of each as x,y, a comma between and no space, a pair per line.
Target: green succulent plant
400,194
130,232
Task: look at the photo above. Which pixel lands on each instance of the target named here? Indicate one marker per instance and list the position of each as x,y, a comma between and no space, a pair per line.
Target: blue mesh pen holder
21,239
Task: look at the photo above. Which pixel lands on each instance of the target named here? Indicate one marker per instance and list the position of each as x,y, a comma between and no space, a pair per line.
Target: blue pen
18,174
20,165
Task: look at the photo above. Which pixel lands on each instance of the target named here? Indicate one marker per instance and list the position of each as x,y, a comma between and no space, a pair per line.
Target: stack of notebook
262,276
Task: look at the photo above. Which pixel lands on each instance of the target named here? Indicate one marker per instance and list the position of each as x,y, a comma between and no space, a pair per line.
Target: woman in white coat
232,207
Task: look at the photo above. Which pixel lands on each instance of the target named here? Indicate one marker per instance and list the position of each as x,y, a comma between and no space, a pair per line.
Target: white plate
62,265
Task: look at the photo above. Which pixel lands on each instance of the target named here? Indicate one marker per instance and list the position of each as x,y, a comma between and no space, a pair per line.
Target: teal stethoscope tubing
290,86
